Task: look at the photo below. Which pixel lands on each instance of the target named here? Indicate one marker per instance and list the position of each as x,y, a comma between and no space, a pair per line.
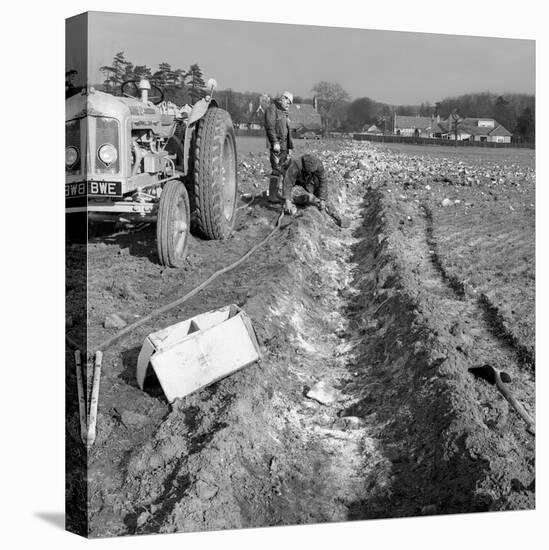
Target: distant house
373,130
415,126
254,121
468,129
475,129
304,118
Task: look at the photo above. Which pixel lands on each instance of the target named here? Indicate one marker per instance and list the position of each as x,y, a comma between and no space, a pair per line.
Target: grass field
258,145
245,145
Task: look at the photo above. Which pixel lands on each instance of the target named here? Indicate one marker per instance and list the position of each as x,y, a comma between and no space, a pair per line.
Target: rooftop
304,115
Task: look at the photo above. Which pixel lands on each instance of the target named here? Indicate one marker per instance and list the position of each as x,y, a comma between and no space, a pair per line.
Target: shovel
500,378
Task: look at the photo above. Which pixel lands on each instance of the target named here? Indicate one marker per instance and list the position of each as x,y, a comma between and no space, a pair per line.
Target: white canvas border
33,46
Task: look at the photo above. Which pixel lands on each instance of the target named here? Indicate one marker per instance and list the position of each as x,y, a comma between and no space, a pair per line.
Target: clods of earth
364,404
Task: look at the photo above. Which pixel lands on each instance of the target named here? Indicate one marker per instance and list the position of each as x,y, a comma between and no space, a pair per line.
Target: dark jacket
308,172
277,126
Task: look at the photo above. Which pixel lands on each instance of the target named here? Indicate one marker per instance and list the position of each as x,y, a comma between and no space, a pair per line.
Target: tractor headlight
71,156
107,154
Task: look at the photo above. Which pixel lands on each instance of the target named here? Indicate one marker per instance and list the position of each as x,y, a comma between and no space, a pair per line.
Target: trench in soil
368,312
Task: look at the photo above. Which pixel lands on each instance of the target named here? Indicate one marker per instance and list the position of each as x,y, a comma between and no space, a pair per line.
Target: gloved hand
276,147
289,207
312,199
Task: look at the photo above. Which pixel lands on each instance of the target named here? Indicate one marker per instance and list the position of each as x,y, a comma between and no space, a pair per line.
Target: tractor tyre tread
206,187
164,225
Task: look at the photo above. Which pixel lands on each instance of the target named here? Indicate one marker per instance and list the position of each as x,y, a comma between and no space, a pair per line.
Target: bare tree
455,124
330,96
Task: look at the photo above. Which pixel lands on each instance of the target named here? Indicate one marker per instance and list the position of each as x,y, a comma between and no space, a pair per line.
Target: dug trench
403,428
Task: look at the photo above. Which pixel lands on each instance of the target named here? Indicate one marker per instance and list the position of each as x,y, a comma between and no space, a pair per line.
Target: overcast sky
391,67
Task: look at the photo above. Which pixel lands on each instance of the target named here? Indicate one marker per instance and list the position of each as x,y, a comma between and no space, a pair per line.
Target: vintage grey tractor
138,157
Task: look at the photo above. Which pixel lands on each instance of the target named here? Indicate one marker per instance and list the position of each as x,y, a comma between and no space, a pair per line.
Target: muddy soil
369,312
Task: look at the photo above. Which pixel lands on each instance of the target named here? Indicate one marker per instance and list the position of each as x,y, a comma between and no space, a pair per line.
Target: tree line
179,85
516,112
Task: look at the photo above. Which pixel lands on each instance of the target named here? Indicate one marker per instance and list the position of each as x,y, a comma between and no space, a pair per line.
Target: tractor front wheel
172,225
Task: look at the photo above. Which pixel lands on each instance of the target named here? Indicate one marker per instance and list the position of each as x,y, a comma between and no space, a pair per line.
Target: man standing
279,139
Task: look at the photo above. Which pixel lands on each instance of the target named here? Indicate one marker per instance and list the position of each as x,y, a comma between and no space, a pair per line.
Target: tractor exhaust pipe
144,86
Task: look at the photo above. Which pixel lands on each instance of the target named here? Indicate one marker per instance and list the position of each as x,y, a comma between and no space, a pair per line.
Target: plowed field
434,277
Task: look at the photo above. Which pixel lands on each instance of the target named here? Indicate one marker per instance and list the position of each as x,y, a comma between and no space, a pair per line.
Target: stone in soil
323,393
114,321
131,418
205,491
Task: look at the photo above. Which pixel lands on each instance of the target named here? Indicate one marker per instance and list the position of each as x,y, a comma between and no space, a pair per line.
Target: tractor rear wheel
214,179
172,225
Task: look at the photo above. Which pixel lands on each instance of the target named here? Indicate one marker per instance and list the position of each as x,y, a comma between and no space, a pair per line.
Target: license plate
105,188
94,189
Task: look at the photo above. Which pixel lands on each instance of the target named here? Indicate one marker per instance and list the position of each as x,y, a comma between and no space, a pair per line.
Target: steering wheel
130,88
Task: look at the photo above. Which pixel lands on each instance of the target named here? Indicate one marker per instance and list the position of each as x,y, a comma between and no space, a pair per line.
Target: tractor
137,157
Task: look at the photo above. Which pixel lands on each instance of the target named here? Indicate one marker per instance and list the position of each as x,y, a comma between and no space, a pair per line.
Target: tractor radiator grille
73,139
106,132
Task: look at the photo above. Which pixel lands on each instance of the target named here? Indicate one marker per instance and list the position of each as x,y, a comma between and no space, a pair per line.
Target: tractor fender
199,110
186,147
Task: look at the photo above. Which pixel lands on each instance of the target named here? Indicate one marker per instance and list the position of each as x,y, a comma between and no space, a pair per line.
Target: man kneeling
305,184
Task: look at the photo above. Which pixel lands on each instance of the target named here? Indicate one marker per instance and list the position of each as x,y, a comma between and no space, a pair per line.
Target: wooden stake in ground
81,397
92,417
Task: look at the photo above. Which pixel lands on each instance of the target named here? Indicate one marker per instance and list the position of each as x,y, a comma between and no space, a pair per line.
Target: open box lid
197,352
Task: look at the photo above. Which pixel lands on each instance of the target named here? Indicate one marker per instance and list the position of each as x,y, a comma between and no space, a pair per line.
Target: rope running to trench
107,343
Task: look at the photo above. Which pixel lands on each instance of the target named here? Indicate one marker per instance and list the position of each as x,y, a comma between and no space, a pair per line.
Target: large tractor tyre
213,175
172,225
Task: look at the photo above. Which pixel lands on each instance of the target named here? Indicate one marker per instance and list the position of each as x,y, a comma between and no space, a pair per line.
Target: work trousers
275,184
277,161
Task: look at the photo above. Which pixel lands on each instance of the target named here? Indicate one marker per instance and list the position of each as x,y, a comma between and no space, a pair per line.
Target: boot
273,190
